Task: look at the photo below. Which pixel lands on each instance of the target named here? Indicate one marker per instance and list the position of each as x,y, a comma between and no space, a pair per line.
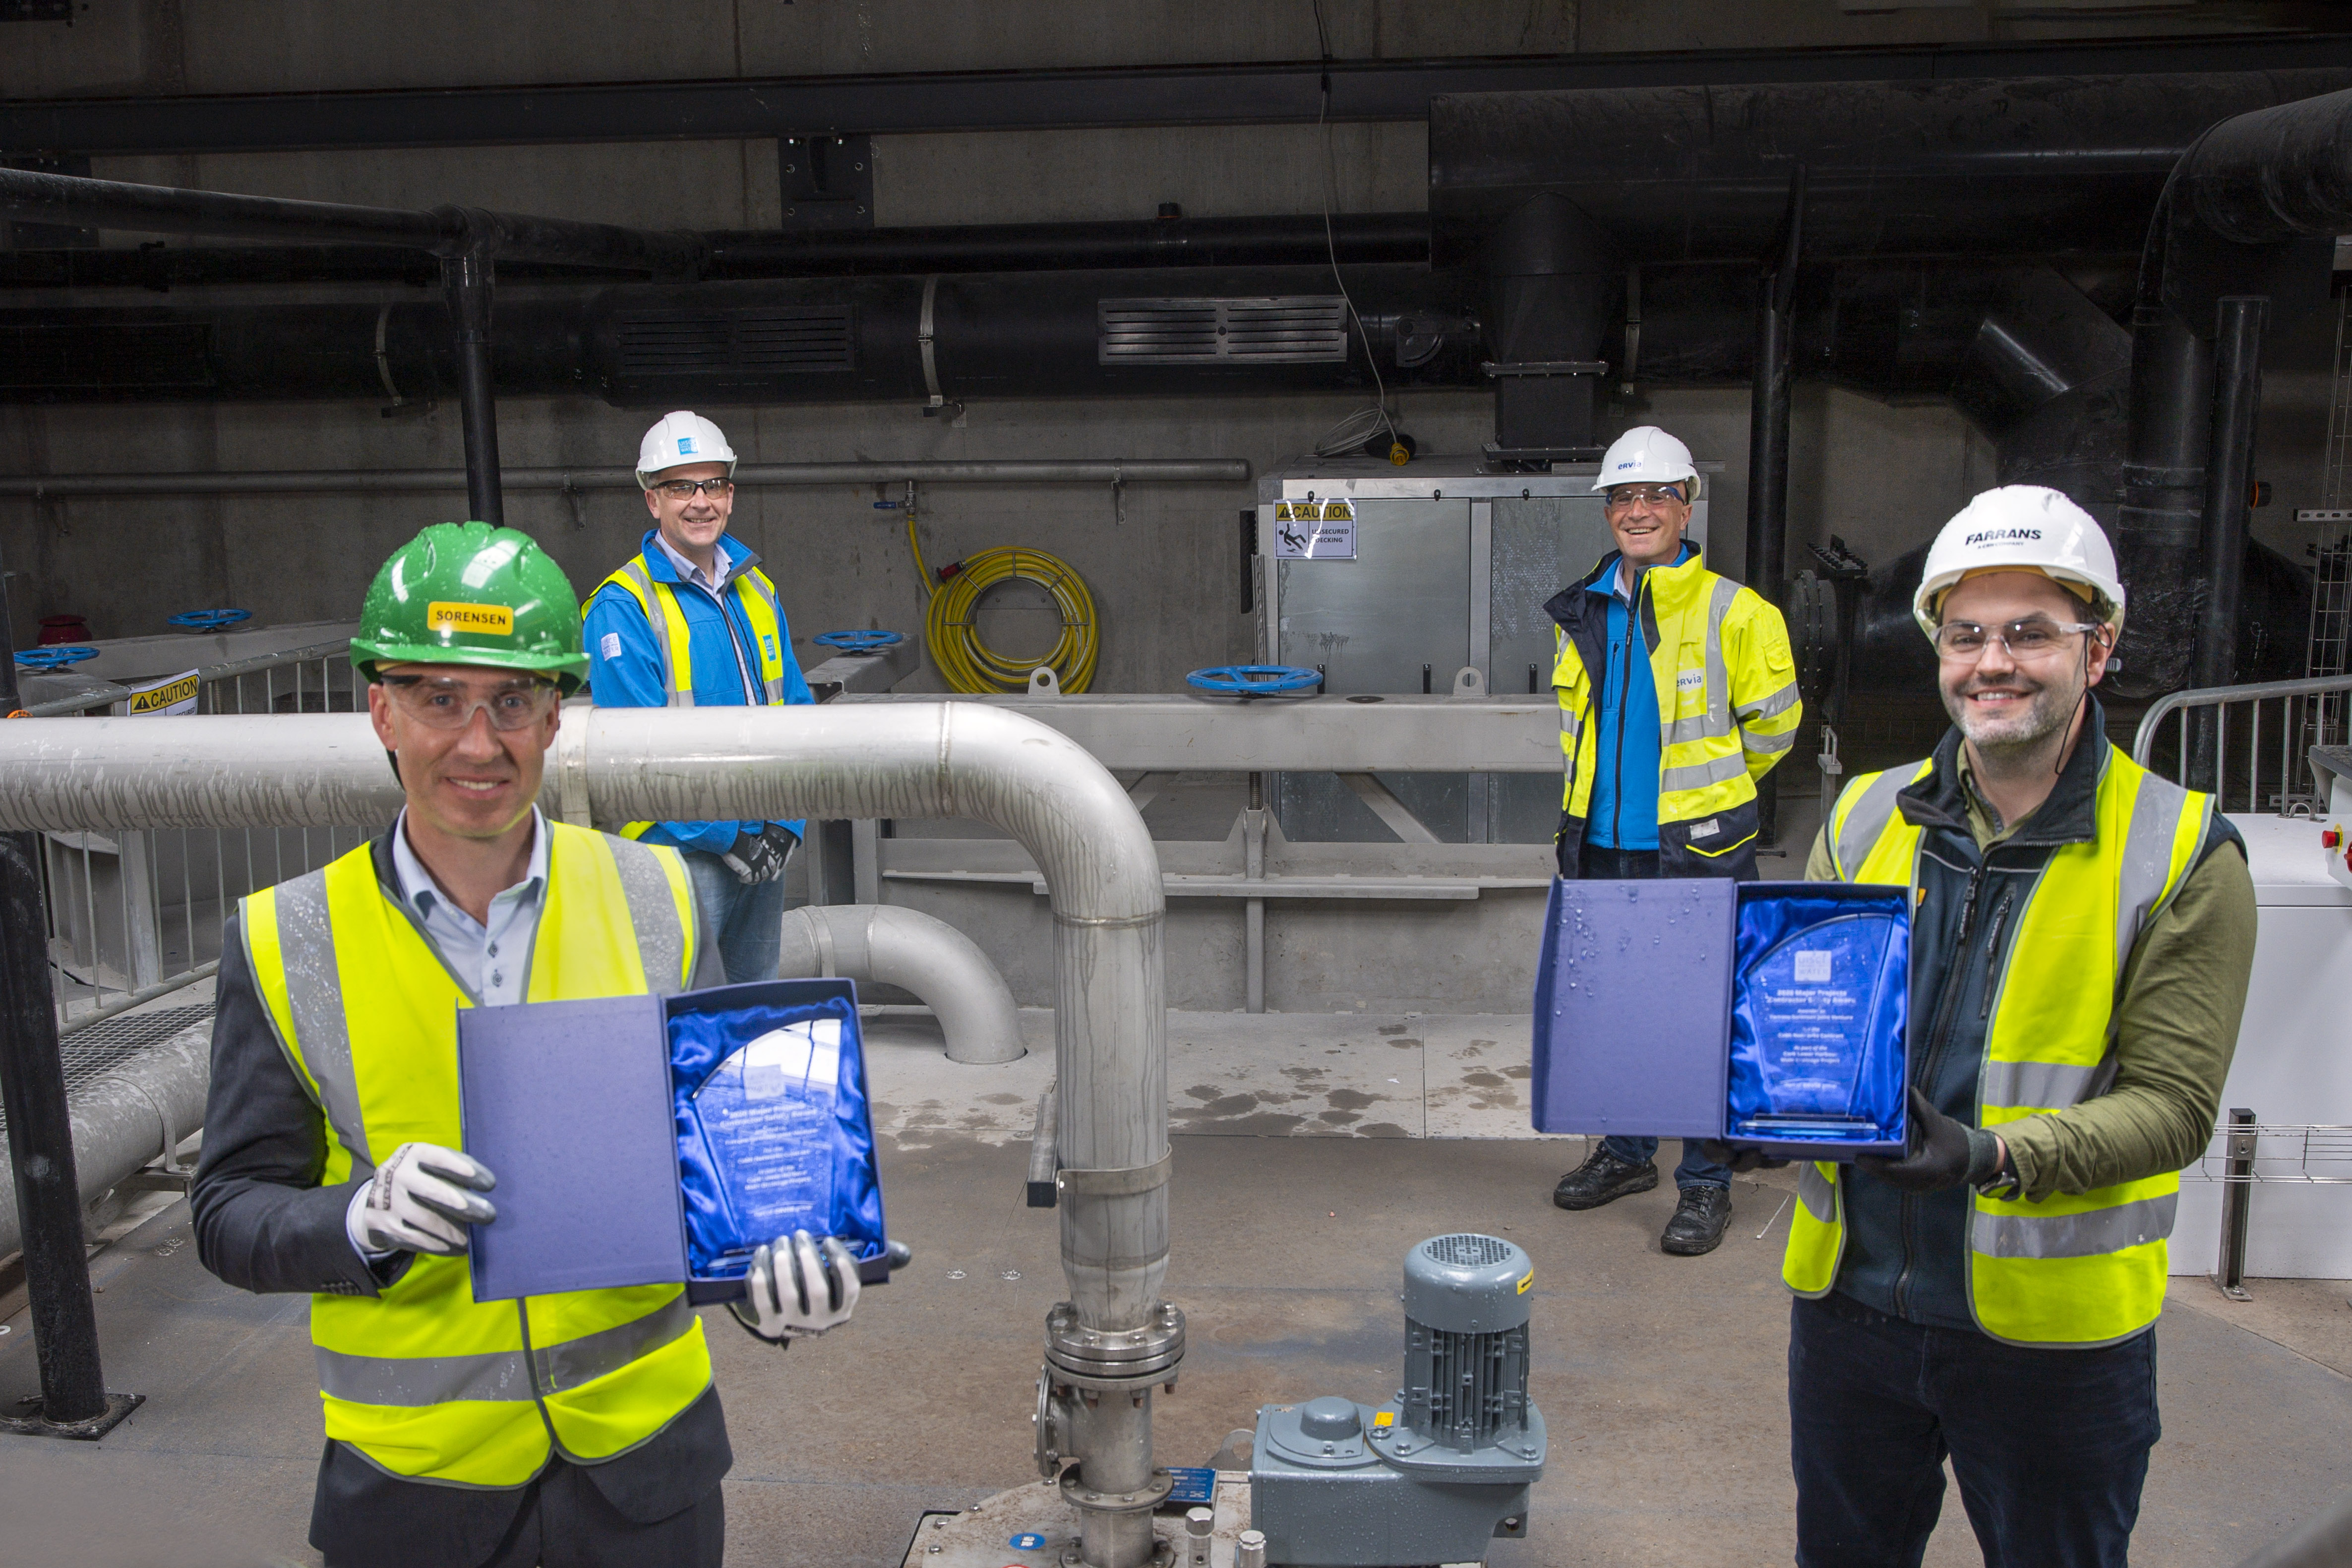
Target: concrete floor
1661,1378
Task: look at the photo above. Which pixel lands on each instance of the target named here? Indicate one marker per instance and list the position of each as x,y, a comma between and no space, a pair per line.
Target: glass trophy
1812,1058
763,1117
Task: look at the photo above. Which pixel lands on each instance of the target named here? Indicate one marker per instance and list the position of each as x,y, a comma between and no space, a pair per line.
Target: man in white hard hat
2081,935
1677,691
692,621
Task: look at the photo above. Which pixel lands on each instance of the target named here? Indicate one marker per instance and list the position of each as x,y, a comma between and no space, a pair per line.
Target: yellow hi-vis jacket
2076,1270
1727,708
424,1380
659,599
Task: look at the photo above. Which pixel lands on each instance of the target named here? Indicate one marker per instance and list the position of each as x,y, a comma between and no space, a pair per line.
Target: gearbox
1434,1474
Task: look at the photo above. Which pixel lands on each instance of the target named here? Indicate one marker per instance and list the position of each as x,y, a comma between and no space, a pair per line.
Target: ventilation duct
1300,330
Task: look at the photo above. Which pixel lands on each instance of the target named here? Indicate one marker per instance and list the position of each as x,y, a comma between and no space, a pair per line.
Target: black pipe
1555,277
1769,404
2229,487
40,1130
468,280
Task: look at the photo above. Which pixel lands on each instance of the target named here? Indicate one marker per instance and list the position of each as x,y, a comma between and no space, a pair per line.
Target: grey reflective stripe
410,1382
752,581
2045,1086
314,997
584,1359
413,1382
1705,726
1780,701
681,694
662,946
1698,775
2096,1234
1871,811
1817,1192
1765,745
2145,871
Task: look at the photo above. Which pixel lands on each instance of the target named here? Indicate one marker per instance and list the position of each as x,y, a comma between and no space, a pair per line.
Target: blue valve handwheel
860,642
208,620
1255,679
54,657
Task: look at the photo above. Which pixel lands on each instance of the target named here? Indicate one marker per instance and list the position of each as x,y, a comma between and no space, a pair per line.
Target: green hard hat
467,593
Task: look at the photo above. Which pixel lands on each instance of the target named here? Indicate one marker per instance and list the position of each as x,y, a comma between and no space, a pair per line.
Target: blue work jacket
625,666
1629,749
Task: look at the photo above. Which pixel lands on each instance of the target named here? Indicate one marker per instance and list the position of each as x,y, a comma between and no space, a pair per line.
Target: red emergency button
2329,838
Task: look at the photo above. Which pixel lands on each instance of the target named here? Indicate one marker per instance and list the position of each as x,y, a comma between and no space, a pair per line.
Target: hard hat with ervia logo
1647,455
677,439
2023,528
465,593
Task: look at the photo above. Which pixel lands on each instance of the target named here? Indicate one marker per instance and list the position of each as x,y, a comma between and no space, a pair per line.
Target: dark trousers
566,1522
1602,864
2049,1447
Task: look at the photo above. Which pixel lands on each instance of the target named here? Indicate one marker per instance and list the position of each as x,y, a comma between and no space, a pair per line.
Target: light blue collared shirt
491,960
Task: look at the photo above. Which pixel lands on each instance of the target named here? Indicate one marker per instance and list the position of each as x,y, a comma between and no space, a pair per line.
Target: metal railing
2240,766
134,916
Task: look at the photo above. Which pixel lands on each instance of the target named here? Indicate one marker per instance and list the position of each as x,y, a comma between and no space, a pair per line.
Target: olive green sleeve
1818,866
2184,993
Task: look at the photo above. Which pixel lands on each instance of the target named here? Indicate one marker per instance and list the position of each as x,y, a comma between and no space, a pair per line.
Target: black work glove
1942,1153
759,857
1742,1160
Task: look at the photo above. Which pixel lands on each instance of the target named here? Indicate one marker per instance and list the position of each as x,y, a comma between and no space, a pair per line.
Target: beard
2047,708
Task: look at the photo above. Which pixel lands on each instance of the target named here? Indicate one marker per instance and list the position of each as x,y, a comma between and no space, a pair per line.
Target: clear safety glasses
445,702
2033,637
683,489
1624,496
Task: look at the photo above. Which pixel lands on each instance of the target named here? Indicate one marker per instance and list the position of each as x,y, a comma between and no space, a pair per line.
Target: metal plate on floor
985,1536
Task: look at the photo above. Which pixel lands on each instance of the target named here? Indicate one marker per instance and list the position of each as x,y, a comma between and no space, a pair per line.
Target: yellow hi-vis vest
1727,703
424,1380
2076,1270
659,599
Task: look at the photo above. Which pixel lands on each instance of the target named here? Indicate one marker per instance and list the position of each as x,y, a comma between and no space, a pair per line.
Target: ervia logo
2001,536
685,445
1631,463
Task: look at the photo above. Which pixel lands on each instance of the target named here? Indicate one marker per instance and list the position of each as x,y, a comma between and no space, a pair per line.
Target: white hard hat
1647,455
679,438
2023,528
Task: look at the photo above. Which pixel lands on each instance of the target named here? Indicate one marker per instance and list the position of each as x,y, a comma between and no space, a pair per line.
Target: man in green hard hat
573,1430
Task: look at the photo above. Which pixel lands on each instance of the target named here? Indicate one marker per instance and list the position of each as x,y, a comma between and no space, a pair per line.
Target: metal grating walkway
105,1045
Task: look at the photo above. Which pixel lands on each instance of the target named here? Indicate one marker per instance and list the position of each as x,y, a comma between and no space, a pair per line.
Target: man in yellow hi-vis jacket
576,1430
2082,937
1677,691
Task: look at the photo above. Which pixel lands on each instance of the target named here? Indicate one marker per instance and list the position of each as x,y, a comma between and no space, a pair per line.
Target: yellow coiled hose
970,665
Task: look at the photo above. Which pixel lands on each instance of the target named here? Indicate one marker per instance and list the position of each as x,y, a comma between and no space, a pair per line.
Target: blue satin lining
701,1041
1766,921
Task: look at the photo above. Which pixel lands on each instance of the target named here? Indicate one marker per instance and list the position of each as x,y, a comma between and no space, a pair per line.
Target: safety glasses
447,702
683,489
1624,496
2032,638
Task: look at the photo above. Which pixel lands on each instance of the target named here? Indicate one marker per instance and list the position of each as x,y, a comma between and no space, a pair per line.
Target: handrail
252,664
2143,737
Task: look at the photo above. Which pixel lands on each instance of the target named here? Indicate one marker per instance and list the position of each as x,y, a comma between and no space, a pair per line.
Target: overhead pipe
1768,402
2229,495
402,482
832,762
1554,277
915,951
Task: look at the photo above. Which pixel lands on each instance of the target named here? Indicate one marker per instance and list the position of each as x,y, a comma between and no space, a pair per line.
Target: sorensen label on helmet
492,620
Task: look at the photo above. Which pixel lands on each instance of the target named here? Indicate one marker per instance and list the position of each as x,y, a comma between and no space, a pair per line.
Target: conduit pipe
917,952
976,471
124,1118
866,761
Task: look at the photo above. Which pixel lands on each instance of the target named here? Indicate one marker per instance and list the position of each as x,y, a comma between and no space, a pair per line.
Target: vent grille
739,345
106,356
1300,329
1466,1250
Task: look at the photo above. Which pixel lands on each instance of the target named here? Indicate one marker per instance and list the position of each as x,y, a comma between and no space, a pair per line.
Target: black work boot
1603,1178
1698,1221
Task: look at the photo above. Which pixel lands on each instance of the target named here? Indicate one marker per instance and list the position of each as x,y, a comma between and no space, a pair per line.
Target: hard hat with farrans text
1647,455
467,593
680,438
2023,528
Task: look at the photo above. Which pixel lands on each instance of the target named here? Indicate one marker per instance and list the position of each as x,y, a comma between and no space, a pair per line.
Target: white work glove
794,1296
421,1199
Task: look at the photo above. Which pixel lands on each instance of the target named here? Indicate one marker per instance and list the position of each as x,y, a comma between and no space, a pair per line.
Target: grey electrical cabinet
1390,581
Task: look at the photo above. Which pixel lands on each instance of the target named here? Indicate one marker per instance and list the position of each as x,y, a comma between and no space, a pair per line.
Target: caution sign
173,694
494,620
1308,530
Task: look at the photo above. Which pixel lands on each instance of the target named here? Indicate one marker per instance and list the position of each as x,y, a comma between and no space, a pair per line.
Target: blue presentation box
649,1140
1765,1014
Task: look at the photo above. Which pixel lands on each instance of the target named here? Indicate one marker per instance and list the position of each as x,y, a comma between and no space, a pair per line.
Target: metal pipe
2229,488
2237,1206
374,481
466,279
858,761
122,1120
919,952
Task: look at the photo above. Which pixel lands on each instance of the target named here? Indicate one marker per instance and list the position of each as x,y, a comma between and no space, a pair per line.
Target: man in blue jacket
692,621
